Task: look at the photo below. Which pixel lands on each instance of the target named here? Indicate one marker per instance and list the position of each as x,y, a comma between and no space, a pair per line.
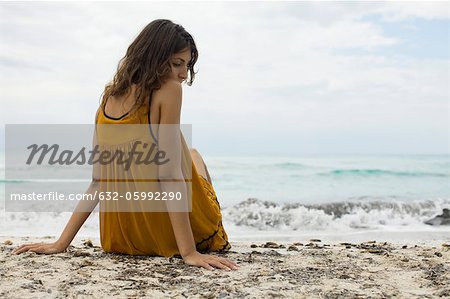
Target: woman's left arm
169,141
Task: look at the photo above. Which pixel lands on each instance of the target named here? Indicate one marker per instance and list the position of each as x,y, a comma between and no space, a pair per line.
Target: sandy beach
311,269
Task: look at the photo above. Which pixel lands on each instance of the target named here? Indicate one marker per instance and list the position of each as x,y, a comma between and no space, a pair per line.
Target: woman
147,90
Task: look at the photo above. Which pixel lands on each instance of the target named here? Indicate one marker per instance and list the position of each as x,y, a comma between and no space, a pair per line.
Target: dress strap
149,119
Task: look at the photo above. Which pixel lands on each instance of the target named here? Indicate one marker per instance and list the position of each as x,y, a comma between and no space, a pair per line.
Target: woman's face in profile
179,65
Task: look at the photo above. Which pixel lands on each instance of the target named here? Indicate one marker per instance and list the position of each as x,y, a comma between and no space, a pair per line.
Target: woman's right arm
72,227
79,216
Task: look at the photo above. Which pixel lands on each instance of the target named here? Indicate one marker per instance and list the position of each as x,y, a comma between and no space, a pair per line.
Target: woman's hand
209,261
49,248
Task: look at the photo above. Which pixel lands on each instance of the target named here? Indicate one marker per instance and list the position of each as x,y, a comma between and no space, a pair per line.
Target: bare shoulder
169,93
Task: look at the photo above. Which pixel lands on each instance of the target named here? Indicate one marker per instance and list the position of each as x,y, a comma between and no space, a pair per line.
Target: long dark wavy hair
146,62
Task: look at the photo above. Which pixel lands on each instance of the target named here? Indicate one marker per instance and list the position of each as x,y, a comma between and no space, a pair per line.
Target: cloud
399,11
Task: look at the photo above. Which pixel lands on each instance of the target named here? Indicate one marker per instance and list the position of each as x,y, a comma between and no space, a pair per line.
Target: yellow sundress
150,233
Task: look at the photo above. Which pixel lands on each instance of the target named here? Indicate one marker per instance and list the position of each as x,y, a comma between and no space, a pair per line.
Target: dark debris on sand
268,270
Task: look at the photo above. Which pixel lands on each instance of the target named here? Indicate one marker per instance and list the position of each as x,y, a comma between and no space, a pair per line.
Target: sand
306,269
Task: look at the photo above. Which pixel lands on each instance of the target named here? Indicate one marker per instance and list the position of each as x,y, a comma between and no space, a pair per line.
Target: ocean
335,198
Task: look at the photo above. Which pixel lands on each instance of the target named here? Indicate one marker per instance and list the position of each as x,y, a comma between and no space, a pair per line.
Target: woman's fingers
223,263
32,248
209,261
234,263
207,266
26,247
22,248
18,248
218,264
229,263
226,262
38,249
46,248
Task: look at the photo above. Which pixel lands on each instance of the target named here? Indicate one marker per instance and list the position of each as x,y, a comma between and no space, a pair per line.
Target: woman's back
118,107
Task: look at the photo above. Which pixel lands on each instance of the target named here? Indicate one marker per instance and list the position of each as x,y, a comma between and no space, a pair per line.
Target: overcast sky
273,77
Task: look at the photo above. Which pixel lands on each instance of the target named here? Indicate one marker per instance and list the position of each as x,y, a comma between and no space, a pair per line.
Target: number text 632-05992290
158,196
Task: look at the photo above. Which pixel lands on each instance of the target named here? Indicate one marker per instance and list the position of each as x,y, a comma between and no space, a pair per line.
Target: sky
274,78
